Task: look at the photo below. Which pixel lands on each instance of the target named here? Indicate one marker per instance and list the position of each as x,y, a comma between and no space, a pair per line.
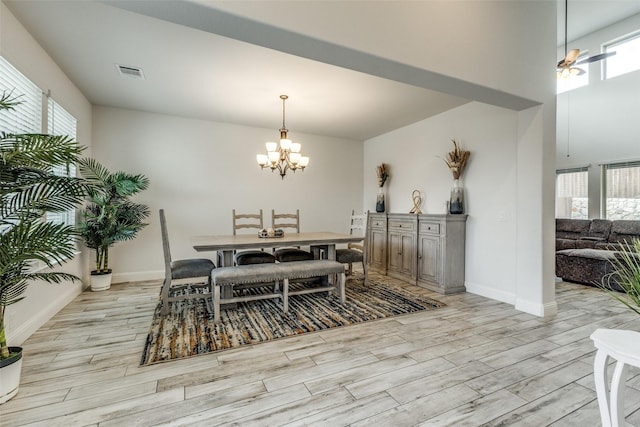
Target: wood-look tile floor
475,362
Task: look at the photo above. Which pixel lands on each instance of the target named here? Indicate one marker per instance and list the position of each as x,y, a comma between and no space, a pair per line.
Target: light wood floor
475,362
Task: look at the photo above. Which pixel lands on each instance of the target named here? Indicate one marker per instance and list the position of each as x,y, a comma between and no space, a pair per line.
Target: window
627,57
571,82
27,116
622,190
572,193
60,122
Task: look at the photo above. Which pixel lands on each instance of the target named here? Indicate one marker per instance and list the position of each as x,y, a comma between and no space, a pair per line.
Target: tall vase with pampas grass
383,174
456,161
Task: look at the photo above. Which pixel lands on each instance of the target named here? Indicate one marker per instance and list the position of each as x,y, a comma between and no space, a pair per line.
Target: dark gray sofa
585,248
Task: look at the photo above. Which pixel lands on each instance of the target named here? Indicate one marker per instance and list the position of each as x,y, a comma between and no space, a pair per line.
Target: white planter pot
10,374
100,282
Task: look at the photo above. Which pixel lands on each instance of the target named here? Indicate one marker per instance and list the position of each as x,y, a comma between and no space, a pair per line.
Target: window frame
571,170
609,46
605,167
31,115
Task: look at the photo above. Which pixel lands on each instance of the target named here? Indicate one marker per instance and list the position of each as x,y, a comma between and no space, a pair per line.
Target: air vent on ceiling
128,71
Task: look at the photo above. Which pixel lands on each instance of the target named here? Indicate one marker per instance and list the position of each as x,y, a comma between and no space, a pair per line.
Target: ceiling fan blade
570,58
595,58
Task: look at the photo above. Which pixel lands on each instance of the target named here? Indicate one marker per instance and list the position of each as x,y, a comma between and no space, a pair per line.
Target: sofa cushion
588,242
624,231
608,246
565,244
572,228
589,253
600,229
586,266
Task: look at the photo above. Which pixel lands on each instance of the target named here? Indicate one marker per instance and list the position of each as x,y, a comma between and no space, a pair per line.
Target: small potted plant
28,190
110,216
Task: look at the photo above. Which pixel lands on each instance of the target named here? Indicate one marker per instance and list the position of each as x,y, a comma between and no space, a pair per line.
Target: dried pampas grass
457,160
383,174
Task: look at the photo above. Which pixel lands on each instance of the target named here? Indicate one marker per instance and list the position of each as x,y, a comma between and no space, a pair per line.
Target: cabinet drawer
378,223
430,227
401,225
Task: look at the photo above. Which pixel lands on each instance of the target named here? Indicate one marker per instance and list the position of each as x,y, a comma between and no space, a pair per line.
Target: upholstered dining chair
252,222
355,252
194,272
291,221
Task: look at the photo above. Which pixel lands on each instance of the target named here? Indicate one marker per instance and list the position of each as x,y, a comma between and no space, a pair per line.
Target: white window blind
572,193
622,190
61,122
27,116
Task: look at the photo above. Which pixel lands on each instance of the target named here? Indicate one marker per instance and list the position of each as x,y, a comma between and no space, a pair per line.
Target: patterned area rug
188,330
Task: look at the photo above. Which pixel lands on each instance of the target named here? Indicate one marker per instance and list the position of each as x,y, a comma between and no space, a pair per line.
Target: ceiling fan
564,67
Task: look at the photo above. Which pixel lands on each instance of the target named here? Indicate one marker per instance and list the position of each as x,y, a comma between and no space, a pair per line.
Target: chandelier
284,156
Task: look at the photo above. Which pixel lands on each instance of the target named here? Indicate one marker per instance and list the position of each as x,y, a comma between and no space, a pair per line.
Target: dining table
227,244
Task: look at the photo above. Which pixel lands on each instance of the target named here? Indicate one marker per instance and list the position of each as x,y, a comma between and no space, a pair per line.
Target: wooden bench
276,272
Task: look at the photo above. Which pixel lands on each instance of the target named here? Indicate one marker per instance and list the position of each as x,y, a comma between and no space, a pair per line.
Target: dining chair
291,221
355,252
194,272
252,222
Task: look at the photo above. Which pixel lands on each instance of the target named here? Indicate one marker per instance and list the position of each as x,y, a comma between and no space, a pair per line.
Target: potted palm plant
28,190
110,216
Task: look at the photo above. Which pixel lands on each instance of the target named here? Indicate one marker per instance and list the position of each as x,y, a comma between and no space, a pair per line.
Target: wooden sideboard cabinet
426,249
401,246
377,242
441,248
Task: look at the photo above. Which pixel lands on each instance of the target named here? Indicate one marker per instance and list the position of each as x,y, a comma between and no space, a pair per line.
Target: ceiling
587,16
196,74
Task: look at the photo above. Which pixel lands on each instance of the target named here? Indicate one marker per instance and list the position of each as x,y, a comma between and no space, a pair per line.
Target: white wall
415,154
23,52
201,170
598,123
487,36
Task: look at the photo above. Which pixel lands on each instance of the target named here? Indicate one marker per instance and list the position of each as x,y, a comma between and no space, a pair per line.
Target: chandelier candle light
285,156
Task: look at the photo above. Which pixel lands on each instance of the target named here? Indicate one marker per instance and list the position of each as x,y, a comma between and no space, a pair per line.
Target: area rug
189,330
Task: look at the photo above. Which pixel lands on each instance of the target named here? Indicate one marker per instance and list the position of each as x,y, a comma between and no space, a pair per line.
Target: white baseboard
139,276
485,291
541,310
18,335
20,331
